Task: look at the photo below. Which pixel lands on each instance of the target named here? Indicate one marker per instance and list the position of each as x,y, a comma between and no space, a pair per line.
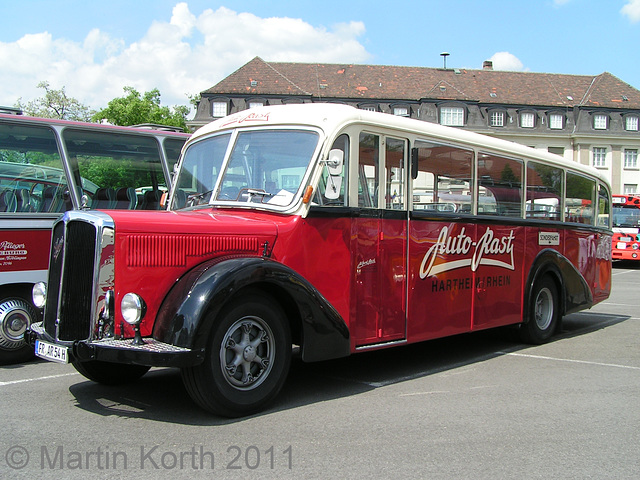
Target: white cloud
632,10
184,56
506,61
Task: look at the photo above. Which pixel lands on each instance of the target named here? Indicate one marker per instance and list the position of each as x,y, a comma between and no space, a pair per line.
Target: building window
630,188
255,104
527,120
218,109
496,119
631,124
556,121
452,116
401,111
599,157
630,158
600,122
556,150
369,108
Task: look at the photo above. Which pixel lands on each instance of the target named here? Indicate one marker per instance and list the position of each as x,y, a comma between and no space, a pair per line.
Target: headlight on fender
39,294
133,308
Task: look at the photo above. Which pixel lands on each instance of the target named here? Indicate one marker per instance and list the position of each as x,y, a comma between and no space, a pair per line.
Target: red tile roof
383,82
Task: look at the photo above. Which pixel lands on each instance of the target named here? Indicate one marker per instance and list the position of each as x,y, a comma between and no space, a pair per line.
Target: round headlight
133,308
39,294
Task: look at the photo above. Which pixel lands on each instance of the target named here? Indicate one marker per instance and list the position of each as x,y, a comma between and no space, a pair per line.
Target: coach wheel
16,315
108,373
247,358
543,312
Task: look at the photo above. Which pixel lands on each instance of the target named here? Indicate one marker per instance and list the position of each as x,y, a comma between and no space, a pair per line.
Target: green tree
56,104
136,109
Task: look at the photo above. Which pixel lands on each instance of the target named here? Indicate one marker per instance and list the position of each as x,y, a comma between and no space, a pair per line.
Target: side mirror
335,162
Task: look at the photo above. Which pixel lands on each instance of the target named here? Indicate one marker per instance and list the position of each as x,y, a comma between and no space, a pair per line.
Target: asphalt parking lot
476,406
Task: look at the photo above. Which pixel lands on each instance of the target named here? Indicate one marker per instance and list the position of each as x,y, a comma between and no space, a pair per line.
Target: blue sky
94,48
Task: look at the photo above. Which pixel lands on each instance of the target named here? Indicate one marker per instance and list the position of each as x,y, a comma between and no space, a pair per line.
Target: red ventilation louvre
173,250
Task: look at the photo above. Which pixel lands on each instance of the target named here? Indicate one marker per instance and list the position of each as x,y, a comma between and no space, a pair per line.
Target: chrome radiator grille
69,307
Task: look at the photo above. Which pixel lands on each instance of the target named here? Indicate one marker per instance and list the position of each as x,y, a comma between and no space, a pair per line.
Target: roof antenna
444,56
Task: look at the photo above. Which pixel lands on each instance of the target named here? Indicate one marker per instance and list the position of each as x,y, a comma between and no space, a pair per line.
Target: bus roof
145,128
331,117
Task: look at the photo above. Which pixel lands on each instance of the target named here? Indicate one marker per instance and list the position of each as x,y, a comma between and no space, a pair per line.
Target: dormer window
527,120
496,119
401,111
219,109
631,123
556,121
600,121
452,116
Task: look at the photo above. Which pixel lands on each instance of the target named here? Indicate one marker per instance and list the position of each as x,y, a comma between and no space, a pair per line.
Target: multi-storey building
594,120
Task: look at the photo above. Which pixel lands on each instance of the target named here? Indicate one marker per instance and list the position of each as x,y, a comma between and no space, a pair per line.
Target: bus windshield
626,216
264,166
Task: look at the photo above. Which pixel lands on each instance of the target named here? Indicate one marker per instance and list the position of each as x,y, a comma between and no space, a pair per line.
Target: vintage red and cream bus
326,230
625,244
48,167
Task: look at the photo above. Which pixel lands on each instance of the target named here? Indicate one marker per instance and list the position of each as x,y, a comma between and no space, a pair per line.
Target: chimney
487,65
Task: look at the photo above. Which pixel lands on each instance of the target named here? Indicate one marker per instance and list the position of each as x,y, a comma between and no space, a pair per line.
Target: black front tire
108,373
247,358
544,312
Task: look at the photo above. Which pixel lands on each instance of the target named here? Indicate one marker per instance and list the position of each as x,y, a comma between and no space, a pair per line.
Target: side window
442,181
395,197
116,171
368,170
544,192
499,186
31,175
579,199
604,207
330,181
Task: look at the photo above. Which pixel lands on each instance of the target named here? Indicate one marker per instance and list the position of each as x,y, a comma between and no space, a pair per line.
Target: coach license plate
52,352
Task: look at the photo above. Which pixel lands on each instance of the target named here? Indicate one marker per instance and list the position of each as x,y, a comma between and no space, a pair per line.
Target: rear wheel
247,358
543,312
16,315
108,373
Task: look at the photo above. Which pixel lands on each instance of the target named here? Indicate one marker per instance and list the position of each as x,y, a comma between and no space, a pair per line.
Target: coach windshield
258,166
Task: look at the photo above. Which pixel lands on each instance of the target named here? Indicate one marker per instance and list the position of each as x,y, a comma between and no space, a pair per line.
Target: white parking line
542,357
25,380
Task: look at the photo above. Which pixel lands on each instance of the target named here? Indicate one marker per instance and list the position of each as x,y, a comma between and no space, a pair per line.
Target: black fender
182,317
574,290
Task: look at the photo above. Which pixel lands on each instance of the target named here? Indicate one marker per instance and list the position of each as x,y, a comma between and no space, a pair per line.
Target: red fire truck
329,228
50,166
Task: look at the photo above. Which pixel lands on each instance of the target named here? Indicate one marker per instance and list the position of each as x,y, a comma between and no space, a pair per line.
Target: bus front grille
69,306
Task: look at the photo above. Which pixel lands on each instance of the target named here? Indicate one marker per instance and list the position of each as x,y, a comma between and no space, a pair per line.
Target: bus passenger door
379,240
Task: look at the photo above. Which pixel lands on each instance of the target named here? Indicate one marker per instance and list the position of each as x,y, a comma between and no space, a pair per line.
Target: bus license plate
52,352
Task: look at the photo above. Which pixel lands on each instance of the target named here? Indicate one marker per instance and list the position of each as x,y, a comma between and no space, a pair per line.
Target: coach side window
604,207
499,185
544,192
368,170
31,175
441,177
580,199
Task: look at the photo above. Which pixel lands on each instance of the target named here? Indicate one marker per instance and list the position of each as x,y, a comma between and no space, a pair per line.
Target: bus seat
151,200
126,198
24,201
8,201
103,198
51,199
